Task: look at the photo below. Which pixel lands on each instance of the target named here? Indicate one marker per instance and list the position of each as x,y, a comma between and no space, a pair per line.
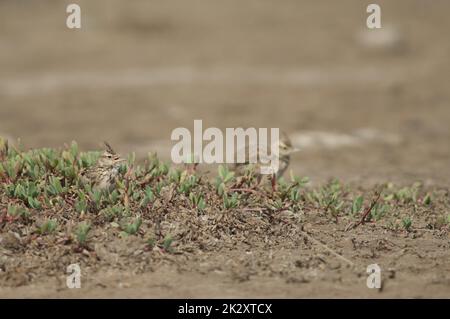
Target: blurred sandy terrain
137,70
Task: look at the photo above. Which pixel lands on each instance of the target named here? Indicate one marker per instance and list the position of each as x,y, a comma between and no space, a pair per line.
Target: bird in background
285,149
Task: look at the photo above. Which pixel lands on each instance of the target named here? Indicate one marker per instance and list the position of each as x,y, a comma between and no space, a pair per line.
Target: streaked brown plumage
285,151
102,175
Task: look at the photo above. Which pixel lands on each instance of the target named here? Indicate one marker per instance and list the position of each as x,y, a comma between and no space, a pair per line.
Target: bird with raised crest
102,175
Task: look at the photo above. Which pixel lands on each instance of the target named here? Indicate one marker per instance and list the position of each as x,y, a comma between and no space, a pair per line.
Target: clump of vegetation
81,233
167,244
407,223
329,198
131,228
48,226
292,191
197,201
230,201
225,178
43,187
357,205
17,211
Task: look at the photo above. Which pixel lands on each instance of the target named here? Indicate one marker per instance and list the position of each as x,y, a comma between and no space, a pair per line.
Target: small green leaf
167,244
427,199
407,223
357,204
82,232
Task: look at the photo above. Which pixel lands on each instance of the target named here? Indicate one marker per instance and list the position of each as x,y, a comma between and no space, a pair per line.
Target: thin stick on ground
369,209
305,234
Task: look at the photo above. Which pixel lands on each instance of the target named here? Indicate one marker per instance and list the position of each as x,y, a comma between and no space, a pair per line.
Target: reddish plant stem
369,209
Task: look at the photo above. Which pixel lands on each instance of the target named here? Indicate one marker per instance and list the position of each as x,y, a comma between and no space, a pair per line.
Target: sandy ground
364,110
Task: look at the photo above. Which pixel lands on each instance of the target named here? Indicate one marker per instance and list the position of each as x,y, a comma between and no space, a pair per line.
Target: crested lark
103,174
285,150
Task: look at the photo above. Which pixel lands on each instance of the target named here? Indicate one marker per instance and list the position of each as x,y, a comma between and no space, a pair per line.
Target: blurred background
364,105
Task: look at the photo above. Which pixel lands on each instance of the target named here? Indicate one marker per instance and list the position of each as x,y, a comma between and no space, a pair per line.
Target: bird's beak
294,150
